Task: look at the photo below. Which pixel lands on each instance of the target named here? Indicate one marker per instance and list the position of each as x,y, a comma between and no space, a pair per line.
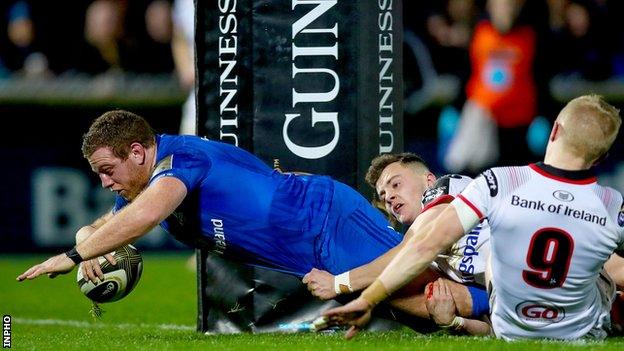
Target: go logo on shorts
532,311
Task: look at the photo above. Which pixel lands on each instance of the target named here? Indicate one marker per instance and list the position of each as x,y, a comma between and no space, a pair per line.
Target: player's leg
604,324
617,314
614,268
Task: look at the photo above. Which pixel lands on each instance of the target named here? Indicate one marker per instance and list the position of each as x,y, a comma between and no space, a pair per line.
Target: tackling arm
420,252
363,276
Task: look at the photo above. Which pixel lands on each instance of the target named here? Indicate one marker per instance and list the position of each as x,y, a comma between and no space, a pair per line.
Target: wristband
375,293
74,255
456,324
342,283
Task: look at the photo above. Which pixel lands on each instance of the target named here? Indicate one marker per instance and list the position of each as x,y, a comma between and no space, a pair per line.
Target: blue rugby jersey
249,212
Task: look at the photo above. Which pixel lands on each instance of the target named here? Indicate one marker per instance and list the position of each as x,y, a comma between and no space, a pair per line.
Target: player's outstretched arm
150,208
325,285
62,263
356,314
53,266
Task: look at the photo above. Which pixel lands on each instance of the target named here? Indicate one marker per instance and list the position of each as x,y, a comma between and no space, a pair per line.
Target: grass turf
52,314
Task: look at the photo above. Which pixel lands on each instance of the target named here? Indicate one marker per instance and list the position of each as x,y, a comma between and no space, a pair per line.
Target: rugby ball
119,280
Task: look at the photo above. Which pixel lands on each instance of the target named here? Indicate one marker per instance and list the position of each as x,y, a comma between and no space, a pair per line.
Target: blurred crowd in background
541,39
584,37
50,38
505,56
115,42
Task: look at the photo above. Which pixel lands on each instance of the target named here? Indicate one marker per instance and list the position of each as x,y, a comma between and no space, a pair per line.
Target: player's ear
555,132
431,178
137,152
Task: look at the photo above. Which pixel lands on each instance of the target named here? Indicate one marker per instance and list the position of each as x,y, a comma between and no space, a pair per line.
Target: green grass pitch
52,314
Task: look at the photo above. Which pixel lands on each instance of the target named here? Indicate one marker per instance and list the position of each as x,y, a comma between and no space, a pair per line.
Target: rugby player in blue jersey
217,196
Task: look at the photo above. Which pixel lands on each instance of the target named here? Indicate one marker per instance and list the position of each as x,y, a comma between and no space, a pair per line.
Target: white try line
83,324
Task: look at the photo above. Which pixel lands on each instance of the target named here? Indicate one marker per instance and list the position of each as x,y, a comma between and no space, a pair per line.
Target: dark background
45,114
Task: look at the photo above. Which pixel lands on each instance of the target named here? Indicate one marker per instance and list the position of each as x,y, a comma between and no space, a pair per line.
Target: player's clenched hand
320,283
53,266
356,313
91,269
439,302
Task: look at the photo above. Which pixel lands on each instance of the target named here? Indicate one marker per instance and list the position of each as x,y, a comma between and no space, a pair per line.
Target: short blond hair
590,125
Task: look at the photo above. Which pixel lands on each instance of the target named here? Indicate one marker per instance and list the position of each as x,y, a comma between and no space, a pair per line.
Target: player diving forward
217,196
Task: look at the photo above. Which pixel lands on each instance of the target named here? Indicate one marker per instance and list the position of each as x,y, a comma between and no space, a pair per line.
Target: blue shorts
355,233
480,301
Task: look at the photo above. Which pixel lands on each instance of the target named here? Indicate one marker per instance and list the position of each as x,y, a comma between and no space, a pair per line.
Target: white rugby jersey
466,260
551,233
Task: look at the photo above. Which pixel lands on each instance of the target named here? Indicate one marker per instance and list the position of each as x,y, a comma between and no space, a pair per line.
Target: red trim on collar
543,172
